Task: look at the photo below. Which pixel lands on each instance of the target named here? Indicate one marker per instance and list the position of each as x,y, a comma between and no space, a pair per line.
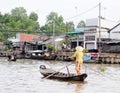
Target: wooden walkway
110,58
64,55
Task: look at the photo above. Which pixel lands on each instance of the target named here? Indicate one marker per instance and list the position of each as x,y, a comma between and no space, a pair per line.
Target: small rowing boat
52,74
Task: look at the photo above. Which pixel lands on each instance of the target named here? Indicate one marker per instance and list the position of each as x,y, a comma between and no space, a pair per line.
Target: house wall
90,40
93,30
104,23
26,37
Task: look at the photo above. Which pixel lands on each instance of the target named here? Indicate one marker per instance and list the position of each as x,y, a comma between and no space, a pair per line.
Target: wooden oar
68,70
57,71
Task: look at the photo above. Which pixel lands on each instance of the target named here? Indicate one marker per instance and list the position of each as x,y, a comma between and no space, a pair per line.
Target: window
90,45
89,38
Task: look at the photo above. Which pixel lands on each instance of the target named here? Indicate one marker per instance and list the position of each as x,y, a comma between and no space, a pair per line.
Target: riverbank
107,58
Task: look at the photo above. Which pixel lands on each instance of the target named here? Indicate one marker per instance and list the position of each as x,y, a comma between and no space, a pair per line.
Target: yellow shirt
78,55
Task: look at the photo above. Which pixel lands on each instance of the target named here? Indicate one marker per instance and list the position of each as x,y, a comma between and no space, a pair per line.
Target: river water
23,76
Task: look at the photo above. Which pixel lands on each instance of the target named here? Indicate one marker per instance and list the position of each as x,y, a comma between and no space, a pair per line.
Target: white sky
69,9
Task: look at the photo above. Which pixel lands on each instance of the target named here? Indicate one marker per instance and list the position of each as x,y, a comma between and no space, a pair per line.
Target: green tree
56,22
2,38
70,26
18,12
18,21
3,35
33,16
81,24
1,20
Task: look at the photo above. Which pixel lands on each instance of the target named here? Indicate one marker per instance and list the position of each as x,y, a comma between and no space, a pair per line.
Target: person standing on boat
79,55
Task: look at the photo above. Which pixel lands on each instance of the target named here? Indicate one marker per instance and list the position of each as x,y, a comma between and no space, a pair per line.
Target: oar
57,71
68,70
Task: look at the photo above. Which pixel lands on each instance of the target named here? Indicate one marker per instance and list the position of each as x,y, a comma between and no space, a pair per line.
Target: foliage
18,21
7,47
102,69
33,16
50,46
81,24
85,50
55,24
70,26
18,13
65,41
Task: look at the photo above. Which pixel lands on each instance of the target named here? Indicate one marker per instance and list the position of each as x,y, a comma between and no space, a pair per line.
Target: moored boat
52,74
37,54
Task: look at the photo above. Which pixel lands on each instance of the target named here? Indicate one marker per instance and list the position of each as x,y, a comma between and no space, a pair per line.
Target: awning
77,31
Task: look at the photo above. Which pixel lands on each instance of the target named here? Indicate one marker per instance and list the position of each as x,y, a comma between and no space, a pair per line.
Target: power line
83,12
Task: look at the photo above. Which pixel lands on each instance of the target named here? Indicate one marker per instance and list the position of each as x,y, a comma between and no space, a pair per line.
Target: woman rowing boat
79,59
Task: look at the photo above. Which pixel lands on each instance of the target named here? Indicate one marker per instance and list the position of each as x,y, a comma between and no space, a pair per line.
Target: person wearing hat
78,55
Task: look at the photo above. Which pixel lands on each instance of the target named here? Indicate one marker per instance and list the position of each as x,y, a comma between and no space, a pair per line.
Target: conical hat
79,48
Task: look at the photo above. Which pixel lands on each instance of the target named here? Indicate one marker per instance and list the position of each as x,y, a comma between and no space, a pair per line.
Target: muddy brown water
23,76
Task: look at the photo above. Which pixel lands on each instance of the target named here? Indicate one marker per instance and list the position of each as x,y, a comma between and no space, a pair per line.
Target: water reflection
79,88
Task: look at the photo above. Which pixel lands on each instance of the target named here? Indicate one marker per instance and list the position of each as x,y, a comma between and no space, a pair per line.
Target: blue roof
77,31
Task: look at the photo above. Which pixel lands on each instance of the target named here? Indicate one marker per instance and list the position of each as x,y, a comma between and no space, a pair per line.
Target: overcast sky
71,10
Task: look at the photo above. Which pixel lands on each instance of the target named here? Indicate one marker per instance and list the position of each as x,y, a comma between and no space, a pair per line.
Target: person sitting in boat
46,54
79,59
11,57
64,46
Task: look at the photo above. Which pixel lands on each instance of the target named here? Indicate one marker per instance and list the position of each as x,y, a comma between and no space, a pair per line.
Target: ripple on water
23,76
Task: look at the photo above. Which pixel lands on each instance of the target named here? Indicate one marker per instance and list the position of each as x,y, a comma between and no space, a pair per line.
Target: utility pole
99,41
99,22
77,35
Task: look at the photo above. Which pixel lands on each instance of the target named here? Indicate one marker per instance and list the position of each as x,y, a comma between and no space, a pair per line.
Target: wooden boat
11,58
50,56
37,54
52,74
40,55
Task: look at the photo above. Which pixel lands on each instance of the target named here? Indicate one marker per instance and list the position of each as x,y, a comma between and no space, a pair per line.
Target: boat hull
51,74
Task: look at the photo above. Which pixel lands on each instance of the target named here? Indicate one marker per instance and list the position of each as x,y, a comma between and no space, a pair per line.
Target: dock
63,56
110,58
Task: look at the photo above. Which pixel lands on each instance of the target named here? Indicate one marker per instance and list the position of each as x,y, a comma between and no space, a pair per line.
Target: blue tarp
87,57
